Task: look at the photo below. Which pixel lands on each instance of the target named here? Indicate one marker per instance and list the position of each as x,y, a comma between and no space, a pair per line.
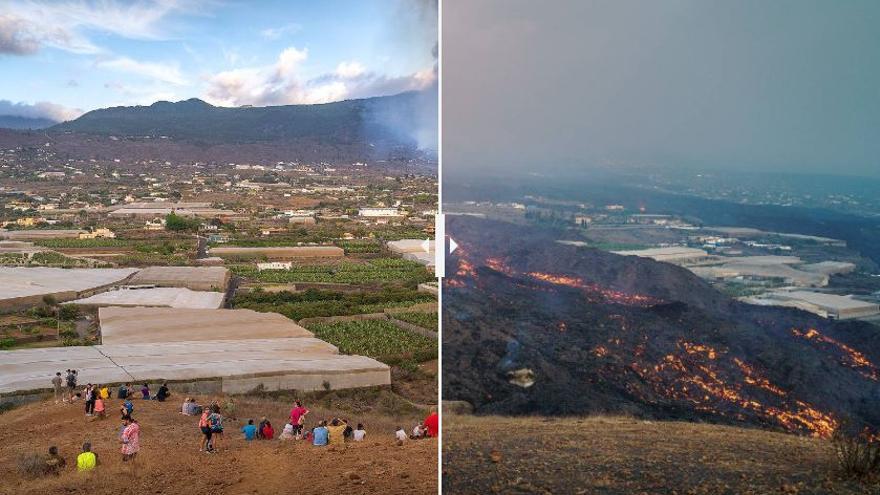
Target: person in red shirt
297,415
432,423
267,433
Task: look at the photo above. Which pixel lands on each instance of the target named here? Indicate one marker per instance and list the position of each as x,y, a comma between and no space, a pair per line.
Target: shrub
31,465
858,456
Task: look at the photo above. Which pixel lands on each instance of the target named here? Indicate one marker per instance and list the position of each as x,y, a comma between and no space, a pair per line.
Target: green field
313,302
378,339
378,270
424,320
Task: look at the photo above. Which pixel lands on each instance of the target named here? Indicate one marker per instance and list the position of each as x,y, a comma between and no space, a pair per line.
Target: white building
275,265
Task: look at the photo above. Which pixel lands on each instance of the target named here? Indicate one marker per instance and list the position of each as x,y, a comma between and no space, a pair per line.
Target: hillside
535,327
386,121
170,462
16,122
618,455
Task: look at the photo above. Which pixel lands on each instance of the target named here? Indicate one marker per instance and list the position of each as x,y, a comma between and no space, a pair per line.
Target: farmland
379,339
373,271
312,303
424,320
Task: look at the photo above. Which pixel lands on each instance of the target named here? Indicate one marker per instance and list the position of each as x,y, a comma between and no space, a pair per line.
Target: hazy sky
61,57
764,84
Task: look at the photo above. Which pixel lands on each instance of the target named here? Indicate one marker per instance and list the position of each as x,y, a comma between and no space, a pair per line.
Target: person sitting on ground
123,391
104,392
346,434
336,429
432,424
418,431
359,434
262,424
400,435
54,463
320,434
287,433
249,430
100,413
145,392
56,384
267,433
163,393
190,408
87,460
76,398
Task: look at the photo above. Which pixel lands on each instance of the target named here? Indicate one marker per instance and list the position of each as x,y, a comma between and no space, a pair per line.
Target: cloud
39,110
29,25
278,32
348,70
281,83
164,72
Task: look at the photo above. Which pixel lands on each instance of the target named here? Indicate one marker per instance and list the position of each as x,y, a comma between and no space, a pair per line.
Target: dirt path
624,456
170,463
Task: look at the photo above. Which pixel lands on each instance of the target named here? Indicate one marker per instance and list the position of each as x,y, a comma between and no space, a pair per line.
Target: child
359,434
127,407
99,408
400,435
104,393
87,460
215,421
145,392
54,463
268,433
249,430
287,433
418,431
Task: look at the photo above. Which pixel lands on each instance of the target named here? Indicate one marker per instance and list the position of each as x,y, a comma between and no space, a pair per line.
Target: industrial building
674,255
26,287
825,305
200,278
226,351
170,297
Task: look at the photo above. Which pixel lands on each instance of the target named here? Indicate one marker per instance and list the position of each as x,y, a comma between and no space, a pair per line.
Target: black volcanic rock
603,333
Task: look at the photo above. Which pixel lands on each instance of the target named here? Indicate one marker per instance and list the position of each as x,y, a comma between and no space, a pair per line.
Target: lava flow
849,356
595,292
696,375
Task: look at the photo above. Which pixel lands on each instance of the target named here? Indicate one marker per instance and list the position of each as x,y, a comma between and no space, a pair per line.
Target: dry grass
614,455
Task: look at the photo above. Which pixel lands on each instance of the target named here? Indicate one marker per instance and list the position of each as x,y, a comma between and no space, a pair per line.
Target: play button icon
452,245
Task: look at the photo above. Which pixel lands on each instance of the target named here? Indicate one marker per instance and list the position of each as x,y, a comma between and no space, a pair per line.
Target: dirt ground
170,463
624,456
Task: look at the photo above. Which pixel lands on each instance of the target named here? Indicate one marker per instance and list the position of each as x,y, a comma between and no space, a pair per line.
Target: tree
178,223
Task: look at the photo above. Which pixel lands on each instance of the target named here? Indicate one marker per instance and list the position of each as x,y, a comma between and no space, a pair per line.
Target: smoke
413,25
39,110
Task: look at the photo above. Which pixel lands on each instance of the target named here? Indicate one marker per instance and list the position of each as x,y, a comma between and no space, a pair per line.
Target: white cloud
281,83
39,110
165,72
278,32
28,25
348,70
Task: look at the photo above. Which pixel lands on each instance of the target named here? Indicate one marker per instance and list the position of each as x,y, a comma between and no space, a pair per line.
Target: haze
784,86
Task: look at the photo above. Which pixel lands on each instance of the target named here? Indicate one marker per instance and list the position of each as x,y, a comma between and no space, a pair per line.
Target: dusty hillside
170,463
608,455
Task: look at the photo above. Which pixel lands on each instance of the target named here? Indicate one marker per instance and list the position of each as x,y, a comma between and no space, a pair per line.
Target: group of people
333,432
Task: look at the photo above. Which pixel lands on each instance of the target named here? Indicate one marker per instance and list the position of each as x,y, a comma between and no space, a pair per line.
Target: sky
61,58
755,85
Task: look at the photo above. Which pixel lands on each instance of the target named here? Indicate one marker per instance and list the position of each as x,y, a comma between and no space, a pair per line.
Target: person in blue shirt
321,434
249,430
127,407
